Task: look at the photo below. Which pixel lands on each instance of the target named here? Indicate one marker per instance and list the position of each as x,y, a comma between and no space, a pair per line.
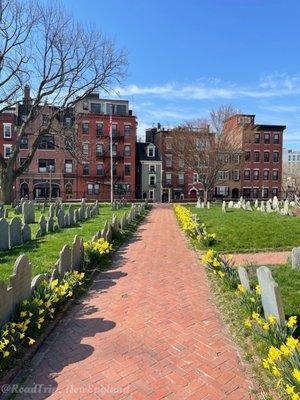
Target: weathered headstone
50,224
77,253
243,275
26,233
15,232
6,303
296,258
20,281
52,210
65,260
4,234
61,219
37,280
43,225
270,295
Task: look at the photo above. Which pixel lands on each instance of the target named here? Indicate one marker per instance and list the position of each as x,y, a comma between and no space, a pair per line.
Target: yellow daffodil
292,321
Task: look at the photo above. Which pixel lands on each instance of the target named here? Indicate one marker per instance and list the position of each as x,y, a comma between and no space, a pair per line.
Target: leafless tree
206,149
61,60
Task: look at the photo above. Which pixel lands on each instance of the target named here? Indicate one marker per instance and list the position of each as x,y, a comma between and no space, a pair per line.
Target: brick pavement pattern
263,258
146,330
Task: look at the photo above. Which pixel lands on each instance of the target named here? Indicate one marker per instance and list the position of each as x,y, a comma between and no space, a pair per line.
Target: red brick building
258,175
85,170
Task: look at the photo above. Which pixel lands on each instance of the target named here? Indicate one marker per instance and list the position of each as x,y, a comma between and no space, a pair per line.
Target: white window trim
6,146
6,124
152,176
152,148
153,192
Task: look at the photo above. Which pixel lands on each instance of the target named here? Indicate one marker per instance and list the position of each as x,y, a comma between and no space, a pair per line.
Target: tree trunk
205,196
7,182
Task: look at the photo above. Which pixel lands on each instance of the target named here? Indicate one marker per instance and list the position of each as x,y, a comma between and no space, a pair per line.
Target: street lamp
111,156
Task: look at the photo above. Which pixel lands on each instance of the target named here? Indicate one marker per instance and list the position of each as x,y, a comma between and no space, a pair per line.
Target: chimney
26,99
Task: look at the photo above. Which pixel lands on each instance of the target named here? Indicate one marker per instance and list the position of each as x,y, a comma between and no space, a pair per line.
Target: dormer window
151,151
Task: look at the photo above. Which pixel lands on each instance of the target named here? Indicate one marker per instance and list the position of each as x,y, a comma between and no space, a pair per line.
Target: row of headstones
269,206
115,225
270,292
13,233
21,283
201,204
117,204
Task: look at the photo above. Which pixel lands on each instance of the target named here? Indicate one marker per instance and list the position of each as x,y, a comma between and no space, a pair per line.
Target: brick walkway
265,258
146,330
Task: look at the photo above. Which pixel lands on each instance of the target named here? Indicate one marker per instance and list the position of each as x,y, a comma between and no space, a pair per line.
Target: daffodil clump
192,228
250,300
32,315
222,266
96,250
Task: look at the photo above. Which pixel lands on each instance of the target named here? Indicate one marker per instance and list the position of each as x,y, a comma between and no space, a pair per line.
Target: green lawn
44,252
245,231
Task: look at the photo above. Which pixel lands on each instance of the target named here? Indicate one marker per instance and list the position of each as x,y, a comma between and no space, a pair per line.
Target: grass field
245,231
44,252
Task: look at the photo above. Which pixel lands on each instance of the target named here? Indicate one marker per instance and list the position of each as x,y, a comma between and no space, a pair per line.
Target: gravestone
61,219
50,224
243,275
71,215
65,260
77,253
296,258
15,232
6,305
43,225
37,280
54,275
230,204
4,234
26,233
76,216
208,205
20,281
52,210
224,207
67,220
270,295
198,205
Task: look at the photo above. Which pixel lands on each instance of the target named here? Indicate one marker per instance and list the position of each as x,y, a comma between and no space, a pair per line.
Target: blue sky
186,57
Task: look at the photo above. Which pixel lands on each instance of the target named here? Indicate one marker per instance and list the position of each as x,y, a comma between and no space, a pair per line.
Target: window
275,192
266,174
276,138
222,190
275,175
276,156
152,169
85,127
114,169
150,151
46,165
127,150
68,166
223,175
168,178
266,156
85,105
255,193
247,174
152,180
114,149
96,108
22,160
122,188
7,150
99,128
99,149
127,169
195,177
151,194
24,142
256,174
100,169
93,188
247,155
127,130
181,178
46,143
257,138
266,138
114,129
168,143
85,168
6,130
169,161
265,193
181,163
256,156
68,121
236,175
85,149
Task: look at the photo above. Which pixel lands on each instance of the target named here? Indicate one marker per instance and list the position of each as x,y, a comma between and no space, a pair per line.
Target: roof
142,152
270,127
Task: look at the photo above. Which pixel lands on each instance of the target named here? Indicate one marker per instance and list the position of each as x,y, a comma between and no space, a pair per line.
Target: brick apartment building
85,170
178,181
253,170
257,173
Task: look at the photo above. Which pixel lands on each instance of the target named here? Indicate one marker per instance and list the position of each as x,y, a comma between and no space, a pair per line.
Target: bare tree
205,149
61,60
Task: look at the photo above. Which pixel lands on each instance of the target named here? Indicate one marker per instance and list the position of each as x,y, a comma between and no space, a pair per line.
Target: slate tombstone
243,275
296,258
4,234
26,233
61,219
15,232
50,224
52,210
270,295
71,215
43,225
65,260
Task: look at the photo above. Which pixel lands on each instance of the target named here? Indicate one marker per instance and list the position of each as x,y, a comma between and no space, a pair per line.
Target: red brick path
266,258
147,330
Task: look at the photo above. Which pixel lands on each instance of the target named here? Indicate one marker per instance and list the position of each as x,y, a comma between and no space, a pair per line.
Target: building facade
148,173
72,160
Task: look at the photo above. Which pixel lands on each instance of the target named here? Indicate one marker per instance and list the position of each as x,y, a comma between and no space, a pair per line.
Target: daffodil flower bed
192,228
283,356
94,251
32,314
